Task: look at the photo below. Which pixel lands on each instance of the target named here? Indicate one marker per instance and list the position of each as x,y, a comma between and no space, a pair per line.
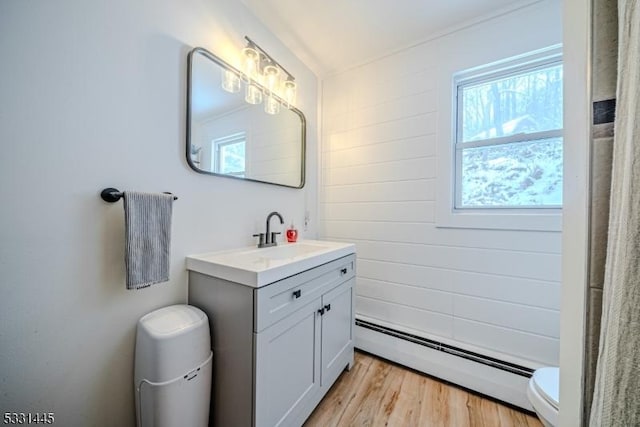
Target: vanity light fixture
253,94
271,105
230,81
251,64
263,78
289,89
271,76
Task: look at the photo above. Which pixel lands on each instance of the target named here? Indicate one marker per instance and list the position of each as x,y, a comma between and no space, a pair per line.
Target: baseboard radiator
449,349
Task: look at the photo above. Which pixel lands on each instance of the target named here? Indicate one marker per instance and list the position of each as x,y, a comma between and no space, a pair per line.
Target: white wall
92,95
384,126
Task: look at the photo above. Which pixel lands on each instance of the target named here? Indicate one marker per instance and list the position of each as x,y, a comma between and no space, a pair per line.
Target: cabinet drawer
277,300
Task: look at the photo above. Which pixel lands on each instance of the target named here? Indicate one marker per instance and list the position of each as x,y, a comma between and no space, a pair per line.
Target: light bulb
271,105
230,81
253,94
289,90
271,75
251,59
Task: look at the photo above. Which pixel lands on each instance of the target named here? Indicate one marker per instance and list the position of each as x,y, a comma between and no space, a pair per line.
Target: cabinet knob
343,271
321,311
327,307
297,294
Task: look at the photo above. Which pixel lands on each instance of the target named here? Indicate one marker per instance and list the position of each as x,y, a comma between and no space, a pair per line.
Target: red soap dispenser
292,234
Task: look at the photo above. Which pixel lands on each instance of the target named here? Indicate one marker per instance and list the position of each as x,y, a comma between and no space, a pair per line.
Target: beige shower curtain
616,399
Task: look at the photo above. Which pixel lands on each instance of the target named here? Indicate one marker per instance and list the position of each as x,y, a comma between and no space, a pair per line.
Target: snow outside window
508,145
229,154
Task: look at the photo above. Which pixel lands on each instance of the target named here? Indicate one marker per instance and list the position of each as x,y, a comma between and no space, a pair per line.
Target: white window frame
218,143
448,215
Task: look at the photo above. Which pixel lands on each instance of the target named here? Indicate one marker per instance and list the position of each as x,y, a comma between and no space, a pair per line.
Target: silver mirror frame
223,64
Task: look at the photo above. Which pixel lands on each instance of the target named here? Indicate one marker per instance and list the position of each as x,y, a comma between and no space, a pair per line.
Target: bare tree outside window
509,138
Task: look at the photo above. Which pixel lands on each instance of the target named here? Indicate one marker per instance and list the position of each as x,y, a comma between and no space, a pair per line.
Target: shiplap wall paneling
493,291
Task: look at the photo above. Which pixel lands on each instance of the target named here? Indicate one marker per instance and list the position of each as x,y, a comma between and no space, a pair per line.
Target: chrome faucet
269,238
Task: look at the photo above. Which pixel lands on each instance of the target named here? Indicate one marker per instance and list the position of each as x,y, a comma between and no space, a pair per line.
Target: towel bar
112,195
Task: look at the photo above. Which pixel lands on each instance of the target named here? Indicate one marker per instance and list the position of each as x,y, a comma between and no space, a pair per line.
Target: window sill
502,219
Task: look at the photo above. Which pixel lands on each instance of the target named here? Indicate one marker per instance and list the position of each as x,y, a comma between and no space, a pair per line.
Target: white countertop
257,267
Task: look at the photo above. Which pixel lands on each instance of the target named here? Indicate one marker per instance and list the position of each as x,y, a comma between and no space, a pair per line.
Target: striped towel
147,219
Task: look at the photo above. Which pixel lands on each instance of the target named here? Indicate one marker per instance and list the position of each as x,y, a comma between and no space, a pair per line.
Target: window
228,154
508,143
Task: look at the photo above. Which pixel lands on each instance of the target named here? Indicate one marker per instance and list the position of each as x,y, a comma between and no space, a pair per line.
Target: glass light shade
230,81
253,94
271,76
289,89
251,62
271,105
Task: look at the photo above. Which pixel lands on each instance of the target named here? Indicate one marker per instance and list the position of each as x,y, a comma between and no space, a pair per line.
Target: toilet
543,393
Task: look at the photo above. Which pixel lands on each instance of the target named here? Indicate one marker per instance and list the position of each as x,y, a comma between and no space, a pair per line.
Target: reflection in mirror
228,136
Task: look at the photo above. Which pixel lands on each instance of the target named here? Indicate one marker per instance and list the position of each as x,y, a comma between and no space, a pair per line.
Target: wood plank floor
379,393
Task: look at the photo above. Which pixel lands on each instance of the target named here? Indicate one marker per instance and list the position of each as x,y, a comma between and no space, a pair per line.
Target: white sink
281,252
258,267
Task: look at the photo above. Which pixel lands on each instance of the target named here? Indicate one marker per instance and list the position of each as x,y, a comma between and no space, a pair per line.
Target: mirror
227,136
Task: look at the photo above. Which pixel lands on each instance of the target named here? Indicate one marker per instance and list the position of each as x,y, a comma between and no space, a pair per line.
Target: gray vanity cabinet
337,338
277,348
287,368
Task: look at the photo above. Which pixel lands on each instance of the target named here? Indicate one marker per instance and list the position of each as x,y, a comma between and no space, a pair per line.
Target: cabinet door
337,331
287,366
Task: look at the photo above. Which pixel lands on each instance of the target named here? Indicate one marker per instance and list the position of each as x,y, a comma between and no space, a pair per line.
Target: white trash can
172,375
